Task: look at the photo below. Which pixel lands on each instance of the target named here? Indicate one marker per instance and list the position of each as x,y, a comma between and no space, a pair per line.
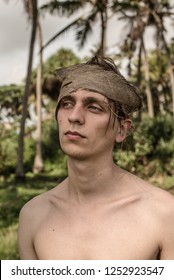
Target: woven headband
95,78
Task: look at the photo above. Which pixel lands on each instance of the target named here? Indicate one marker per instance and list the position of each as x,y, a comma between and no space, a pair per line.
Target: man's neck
87,180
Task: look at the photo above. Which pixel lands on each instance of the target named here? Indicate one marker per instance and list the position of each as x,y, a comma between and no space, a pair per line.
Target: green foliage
8,243
124,158
8,151
50,139
149,151
11,100
29,153
55,160
62,58
8,146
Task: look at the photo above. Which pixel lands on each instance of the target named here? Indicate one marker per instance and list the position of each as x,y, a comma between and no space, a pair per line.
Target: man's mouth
74,133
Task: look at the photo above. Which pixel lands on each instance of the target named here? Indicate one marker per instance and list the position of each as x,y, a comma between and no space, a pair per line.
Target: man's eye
66,104
94,108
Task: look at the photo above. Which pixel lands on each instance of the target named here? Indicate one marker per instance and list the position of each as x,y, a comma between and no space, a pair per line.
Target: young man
100,211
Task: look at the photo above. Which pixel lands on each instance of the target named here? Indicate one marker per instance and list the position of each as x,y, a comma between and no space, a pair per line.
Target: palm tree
84,23
140,15
150,102
159,13
134,14
38,161
31,8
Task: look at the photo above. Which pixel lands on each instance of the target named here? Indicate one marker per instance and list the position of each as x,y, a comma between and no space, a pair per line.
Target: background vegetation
36,163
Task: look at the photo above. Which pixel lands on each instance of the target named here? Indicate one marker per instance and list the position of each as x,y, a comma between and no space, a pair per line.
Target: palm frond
62,8
28,7
68,27
85,28
124,5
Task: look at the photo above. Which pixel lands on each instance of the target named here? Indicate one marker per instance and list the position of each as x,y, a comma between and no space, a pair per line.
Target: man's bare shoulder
154,196
154,208
40,205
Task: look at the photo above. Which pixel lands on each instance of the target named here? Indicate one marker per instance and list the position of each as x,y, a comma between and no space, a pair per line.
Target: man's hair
101,75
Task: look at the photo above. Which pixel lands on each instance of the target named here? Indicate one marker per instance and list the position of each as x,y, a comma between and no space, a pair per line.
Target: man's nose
77,115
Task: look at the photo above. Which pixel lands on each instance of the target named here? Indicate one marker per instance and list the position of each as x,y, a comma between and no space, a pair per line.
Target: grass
8,243
13,195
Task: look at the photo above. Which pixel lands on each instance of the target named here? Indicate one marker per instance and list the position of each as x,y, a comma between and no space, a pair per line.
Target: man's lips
74,133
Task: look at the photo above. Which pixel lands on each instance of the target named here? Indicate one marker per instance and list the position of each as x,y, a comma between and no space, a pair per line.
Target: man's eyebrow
90,99
68,97
85,99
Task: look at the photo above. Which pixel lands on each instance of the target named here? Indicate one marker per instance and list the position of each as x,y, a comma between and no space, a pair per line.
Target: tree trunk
38,161
104,20
139,76
170,67
160,28
147,80
20,154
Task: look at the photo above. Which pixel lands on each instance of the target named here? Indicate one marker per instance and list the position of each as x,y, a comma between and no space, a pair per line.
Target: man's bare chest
105,235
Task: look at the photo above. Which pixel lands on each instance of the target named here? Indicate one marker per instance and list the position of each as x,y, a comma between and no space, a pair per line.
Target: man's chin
76,155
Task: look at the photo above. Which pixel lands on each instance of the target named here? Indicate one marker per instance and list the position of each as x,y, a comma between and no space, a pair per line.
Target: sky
15,37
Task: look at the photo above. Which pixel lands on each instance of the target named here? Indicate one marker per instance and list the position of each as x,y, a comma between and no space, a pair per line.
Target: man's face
84,127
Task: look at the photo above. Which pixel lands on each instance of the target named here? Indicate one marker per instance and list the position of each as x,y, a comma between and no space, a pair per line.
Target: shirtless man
99,212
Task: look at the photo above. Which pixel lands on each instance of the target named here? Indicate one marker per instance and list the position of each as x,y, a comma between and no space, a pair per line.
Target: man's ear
123,130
